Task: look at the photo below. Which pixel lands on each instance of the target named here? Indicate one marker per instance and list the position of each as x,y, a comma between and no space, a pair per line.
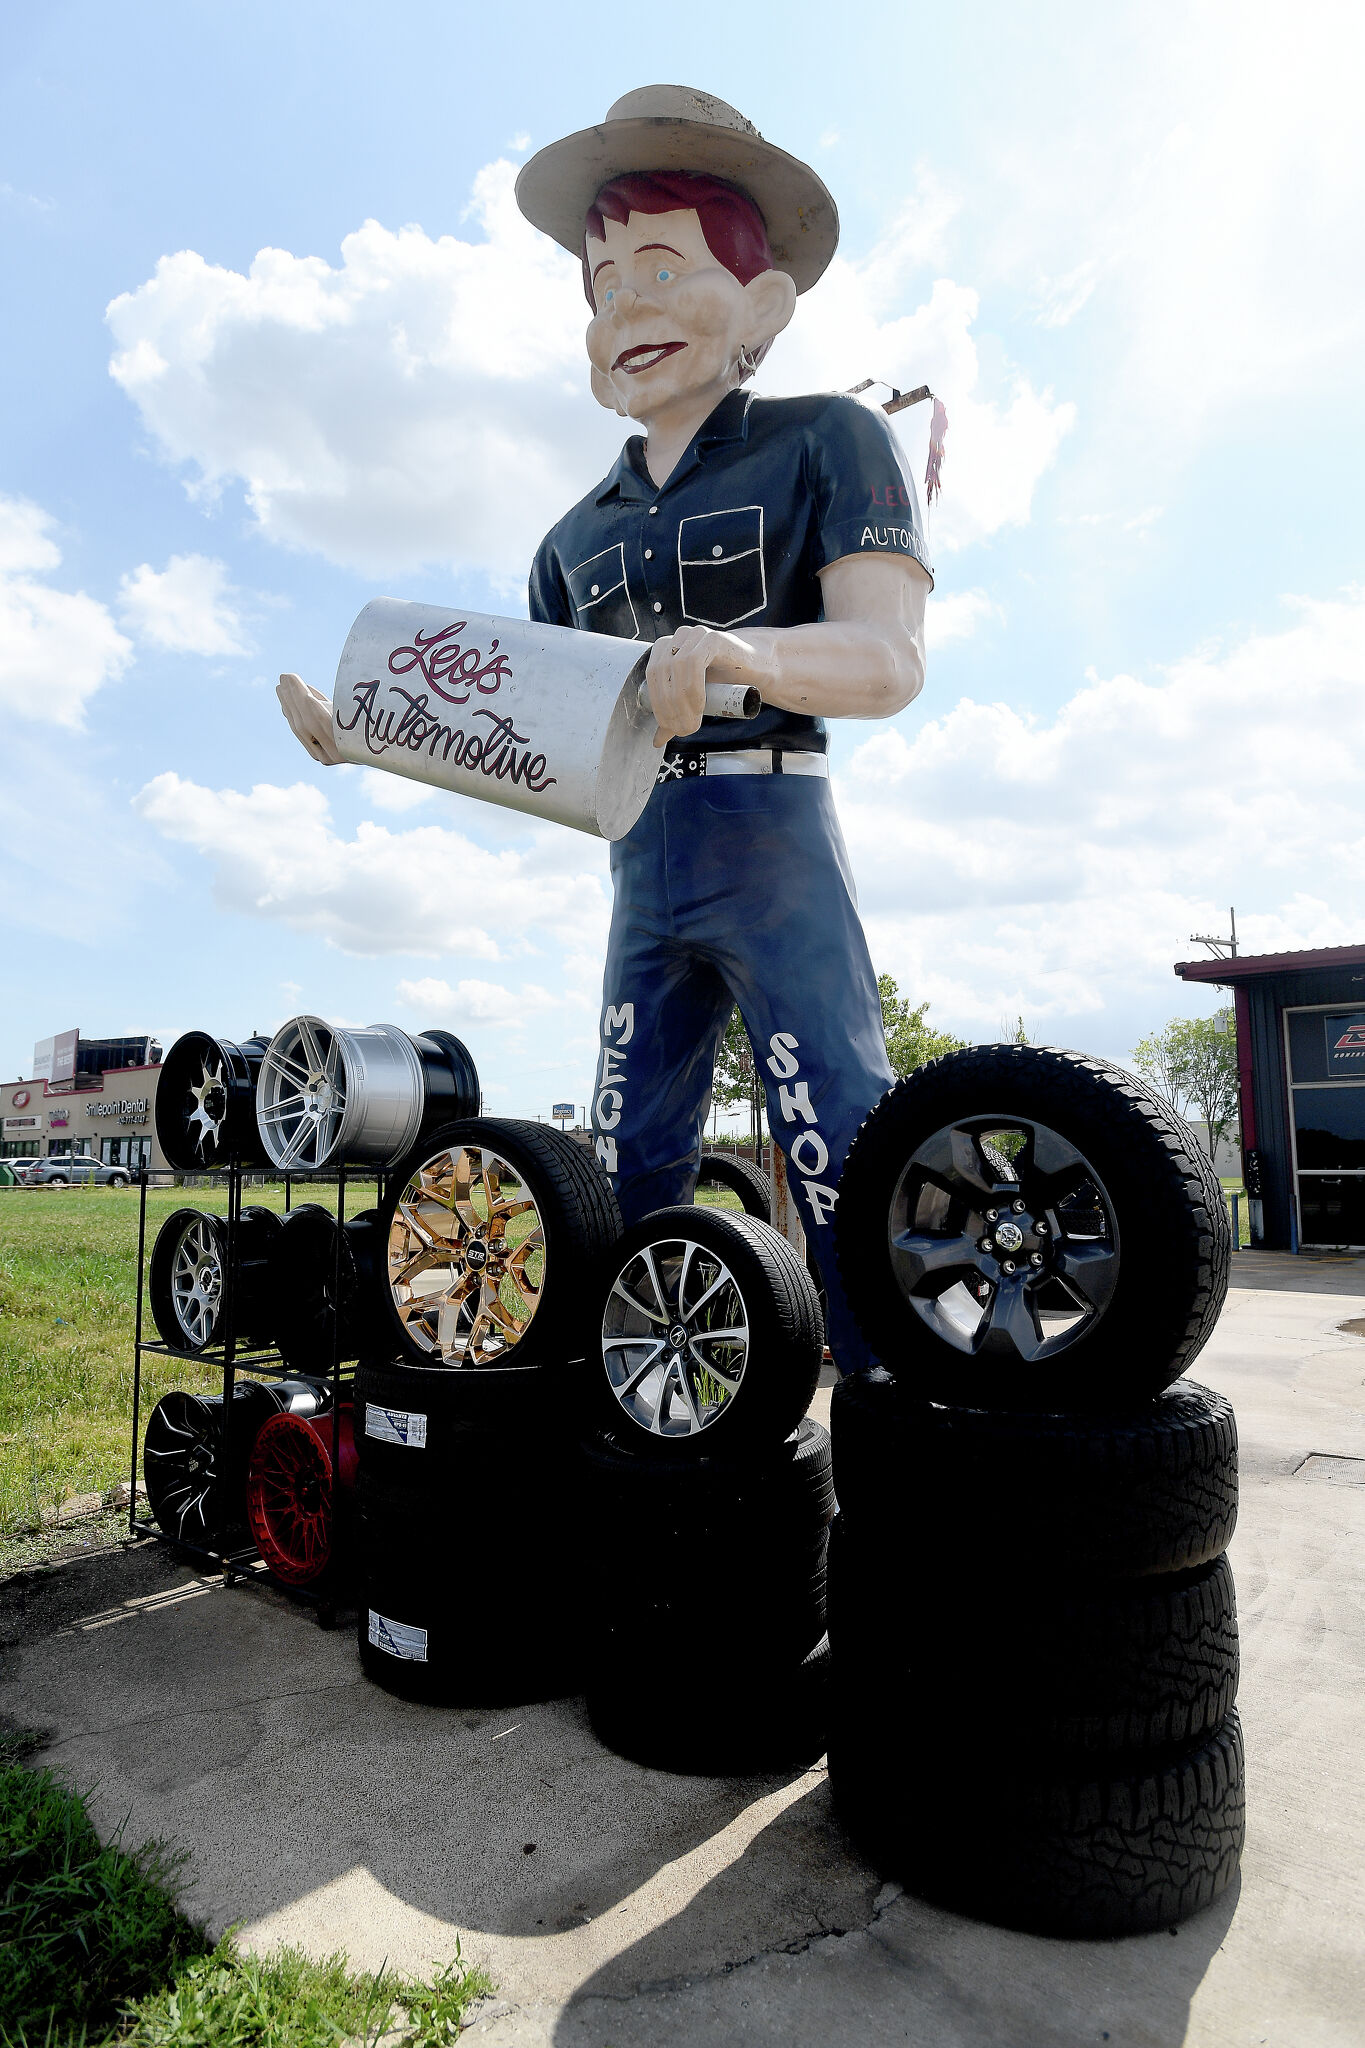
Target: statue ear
604,391
770,302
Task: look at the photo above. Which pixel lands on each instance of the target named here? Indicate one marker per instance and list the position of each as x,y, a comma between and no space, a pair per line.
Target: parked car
23,1167
68,1169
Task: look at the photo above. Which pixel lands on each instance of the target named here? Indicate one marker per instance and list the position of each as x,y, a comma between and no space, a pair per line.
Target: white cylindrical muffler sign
541,719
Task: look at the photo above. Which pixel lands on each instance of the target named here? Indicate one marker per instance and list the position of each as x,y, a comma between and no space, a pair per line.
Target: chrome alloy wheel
197,1280
301,1094
466,1258
675,1337
1003,1239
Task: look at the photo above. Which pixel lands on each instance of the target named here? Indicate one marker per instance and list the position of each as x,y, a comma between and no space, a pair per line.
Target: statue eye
664,276
608,295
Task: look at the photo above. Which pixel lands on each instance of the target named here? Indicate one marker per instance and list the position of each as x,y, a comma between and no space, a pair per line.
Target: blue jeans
737,890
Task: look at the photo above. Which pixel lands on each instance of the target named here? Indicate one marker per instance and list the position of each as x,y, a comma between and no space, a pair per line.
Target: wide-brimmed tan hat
677,128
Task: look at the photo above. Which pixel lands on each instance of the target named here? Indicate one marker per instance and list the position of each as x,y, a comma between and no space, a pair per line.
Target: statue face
670,318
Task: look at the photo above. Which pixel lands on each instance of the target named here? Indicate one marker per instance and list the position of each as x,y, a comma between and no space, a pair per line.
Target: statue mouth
645,356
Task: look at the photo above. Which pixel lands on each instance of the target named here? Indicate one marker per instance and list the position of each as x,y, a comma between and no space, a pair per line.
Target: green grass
84,1926
95,1949
68,1282
1233,1186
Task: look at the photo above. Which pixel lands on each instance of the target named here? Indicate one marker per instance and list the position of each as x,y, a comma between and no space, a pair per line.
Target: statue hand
677,672
310,718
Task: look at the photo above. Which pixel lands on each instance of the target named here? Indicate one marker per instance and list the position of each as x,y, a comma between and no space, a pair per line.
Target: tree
909,1040
736,1078
1192,1061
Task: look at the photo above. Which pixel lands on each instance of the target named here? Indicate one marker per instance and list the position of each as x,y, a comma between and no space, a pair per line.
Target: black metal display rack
241,1563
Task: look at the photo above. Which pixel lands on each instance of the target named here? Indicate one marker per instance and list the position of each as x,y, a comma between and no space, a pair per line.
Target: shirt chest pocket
600,597
720,563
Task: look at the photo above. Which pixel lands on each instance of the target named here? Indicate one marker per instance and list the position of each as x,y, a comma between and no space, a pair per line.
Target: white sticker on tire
396,1426
398,1639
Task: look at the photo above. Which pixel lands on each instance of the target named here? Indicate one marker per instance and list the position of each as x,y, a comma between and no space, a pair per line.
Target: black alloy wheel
206,1103
1023,1227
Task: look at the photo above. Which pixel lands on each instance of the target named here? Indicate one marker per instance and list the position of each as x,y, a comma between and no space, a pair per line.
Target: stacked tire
1031,1609
490,1248
709,1497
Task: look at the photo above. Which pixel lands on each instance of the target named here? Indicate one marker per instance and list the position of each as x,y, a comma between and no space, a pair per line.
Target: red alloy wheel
288,1487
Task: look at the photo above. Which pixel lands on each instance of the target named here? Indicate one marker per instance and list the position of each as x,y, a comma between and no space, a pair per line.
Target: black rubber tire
1153,1490
787,1492
256,1236
1076,1669
668,1604
785,1343
468,1572
1171,1229
410,1426
1123,1850
581,1221
306,1325
741,1177
119,1180
710,1720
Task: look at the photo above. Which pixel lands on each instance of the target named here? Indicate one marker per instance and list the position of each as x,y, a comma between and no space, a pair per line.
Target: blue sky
1121,243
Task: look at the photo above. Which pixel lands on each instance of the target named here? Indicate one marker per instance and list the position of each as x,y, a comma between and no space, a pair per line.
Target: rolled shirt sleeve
864,495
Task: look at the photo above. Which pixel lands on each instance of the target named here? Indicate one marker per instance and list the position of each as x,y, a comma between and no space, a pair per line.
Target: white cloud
56,646
425,891
956,614
1200,193
427,401
1057,867
394,792
478,1002
186,608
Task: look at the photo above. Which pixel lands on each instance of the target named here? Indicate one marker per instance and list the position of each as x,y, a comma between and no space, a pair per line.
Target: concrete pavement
617,1906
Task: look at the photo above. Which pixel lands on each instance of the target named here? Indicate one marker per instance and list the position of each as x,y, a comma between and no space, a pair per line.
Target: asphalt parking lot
616,1906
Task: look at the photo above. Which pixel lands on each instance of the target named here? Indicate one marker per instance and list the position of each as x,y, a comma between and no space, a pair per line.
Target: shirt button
649,554
594,591
658,607
652,510
716,550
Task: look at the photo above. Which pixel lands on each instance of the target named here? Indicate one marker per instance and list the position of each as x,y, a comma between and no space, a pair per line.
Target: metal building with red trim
1301,1058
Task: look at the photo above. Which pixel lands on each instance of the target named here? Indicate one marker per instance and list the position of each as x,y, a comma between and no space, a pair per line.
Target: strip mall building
96,1096
1301,1057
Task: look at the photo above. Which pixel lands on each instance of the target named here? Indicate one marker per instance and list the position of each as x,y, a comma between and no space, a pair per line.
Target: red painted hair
731,224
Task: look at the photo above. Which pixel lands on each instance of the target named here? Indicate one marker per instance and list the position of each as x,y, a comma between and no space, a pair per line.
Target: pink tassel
933,475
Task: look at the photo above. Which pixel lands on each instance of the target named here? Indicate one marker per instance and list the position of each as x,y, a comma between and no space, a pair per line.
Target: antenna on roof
1221,949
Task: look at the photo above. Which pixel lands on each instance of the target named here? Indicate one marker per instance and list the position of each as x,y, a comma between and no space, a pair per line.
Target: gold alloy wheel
466,1257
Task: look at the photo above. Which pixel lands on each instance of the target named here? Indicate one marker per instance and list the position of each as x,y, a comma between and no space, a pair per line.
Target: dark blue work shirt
769,493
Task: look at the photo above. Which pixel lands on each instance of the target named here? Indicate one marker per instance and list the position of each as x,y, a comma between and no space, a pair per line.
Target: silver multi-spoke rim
197,1280
207,1108
1003,1239
301,1094
466,1258
675,1337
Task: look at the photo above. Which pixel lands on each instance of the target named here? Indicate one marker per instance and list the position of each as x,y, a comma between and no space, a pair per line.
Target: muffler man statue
762,541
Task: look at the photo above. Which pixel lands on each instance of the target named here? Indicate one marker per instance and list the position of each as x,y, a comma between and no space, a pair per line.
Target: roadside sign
562,1111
